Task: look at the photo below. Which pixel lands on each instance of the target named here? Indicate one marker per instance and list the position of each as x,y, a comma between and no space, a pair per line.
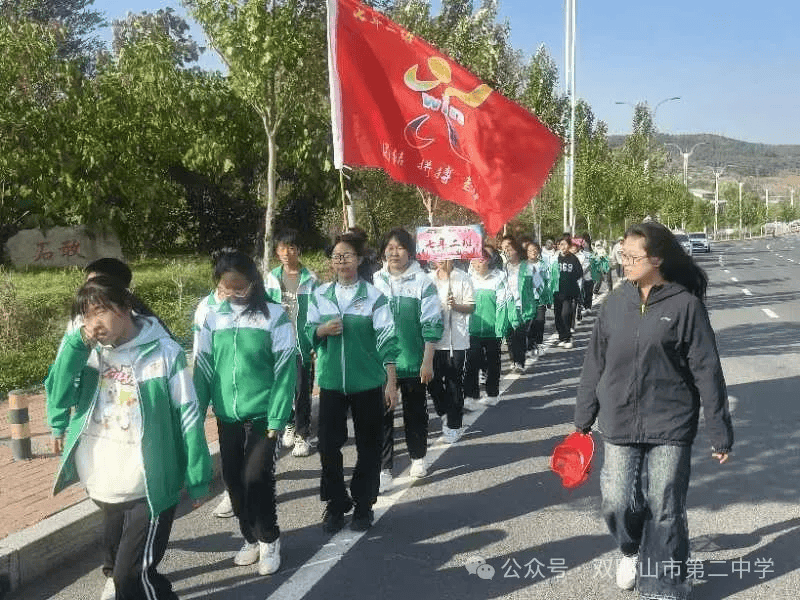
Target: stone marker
61,247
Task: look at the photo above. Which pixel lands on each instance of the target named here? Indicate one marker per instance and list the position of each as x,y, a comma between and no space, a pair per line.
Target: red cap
572,459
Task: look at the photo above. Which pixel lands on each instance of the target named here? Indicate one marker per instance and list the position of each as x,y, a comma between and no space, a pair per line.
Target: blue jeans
644,490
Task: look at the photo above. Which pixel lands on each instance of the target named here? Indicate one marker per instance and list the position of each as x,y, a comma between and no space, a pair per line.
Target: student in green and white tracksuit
351,327
121,392
296,282
246,368
523,307
487,326
418,325
540,276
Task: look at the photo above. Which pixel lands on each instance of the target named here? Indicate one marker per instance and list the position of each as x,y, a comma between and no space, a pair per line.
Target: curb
32,552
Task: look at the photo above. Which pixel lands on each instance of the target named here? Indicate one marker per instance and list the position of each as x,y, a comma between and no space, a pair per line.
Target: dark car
685,242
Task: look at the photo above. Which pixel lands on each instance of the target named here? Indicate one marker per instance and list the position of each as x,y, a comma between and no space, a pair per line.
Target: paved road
492,494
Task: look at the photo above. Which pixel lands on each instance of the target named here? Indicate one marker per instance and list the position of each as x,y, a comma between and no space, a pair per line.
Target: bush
35,307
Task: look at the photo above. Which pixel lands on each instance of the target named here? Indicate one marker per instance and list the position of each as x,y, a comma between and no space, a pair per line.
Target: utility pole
741,235
569,83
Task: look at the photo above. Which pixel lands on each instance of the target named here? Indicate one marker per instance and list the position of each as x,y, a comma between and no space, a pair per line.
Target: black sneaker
362,519
333,517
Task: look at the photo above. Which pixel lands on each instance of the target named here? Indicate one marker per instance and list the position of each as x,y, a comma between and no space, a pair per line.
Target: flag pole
344,200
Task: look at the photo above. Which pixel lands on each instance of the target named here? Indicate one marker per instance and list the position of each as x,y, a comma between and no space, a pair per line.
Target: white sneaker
385,481
288,436
248,555
450,436
491,400
269,559
418,468
224,509
109,591
515,368
471,405
301,447
567,345
561,344
626,572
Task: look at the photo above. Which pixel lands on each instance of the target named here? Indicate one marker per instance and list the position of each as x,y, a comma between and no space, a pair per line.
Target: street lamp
717,174
686,156
653,120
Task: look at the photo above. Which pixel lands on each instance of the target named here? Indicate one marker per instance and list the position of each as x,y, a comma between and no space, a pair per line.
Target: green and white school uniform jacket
523,305
354,361
308,281
540,273
417,313
173,441
245,364
555,278
492,300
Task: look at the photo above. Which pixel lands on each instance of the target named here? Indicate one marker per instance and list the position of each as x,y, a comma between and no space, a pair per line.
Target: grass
35,307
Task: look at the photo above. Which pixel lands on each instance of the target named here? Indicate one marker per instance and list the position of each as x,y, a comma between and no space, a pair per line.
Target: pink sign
451,242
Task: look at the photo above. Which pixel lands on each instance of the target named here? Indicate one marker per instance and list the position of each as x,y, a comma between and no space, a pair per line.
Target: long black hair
229,259
676,266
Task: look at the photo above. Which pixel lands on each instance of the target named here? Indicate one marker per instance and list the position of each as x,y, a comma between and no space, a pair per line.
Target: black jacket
647,368
570,274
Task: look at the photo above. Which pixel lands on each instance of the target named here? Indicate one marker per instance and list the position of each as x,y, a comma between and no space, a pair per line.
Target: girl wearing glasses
245,367
651,363
350,325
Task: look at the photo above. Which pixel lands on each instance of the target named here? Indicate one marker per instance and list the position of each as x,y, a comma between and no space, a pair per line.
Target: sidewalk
26,486
38,530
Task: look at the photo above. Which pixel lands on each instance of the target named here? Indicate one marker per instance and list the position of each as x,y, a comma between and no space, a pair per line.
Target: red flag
400,105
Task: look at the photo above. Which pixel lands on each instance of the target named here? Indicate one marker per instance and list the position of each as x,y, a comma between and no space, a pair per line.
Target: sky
735,65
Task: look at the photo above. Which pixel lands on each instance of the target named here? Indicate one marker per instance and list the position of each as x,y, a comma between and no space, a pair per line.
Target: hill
773,165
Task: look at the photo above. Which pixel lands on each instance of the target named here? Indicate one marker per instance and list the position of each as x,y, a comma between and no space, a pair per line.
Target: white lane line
735,279
770,313
747,292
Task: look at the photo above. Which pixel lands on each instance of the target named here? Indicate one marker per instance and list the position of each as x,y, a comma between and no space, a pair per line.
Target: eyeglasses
224,292
344,257
627,258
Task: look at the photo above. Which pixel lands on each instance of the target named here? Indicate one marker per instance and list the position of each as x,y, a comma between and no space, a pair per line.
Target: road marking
770,313
727,271
747,292
735,279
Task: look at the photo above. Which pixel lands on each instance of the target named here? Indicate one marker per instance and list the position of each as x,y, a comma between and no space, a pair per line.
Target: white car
685,242
700,241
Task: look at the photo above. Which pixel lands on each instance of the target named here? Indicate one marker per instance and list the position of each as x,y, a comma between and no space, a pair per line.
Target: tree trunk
272,158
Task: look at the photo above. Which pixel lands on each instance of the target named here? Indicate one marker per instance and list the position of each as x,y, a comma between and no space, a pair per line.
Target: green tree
275,53
163,23
76,18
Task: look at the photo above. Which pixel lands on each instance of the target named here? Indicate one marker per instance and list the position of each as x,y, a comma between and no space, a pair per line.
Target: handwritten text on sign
452,242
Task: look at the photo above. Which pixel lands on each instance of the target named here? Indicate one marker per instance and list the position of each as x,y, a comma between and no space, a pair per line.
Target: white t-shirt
109,455
345,294
456,324
512,272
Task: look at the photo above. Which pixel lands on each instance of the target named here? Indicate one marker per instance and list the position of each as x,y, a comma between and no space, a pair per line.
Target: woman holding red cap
651,363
